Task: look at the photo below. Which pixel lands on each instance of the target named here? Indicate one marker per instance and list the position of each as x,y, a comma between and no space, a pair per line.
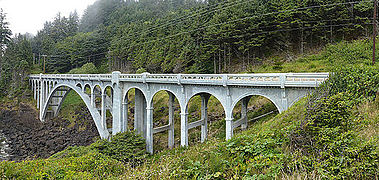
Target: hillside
332,133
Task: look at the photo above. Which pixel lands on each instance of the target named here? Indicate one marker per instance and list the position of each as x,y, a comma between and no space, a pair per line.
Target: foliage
327,137
101,160
77,163
127,147
5,33
15,66
88,68
197,36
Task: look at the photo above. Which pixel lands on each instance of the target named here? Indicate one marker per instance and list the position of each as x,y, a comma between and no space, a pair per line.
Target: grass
358,52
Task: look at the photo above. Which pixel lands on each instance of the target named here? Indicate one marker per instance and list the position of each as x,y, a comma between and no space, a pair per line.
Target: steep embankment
29,138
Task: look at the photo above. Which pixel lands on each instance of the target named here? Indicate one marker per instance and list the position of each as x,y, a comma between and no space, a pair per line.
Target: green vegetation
189,36
331,134
100,160
357,52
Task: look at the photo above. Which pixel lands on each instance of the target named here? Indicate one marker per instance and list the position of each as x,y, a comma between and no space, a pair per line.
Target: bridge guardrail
261,79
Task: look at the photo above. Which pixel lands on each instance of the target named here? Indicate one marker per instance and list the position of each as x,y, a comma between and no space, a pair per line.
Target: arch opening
107,102
71,107
252,108
166,120
96,99
134,111
206,118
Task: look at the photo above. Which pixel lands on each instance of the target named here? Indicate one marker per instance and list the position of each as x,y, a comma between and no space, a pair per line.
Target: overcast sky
30,15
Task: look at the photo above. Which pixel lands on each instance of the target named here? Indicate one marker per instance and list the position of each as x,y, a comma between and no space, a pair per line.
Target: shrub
127,147
326,137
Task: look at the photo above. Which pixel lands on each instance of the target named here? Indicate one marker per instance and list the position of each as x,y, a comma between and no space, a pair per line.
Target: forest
184,36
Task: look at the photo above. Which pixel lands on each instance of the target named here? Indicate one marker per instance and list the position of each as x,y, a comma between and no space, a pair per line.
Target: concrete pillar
229,122
183,127
140,113
34,85
46,91
171,138
103,111
149,128
50,87
125,107
244,104
93,98
284,100
229,128
204,116
38,91
116,110
42,99
34,90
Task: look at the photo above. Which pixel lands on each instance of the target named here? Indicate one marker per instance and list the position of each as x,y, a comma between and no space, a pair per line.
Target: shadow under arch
234,103
138,114
166,103
104,134
211,94
196,119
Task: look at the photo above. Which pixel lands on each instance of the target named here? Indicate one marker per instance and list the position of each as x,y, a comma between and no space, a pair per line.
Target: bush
327,138
90,165
127,147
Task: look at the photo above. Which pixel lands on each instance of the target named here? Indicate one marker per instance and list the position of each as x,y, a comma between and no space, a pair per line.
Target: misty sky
30,15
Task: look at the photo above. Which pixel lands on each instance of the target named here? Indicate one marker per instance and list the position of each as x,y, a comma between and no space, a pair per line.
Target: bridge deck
262,79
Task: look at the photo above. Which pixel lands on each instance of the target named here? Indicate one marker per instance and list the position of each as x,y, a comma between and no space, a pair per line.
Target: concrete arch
133,87
96,85
107,86
88,84
79,85
89,94
150,100
234,103
205,92
93,111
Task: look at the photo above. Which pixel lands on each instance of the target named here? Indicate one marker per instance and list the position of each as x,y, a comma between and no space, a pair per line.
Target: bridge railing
261,79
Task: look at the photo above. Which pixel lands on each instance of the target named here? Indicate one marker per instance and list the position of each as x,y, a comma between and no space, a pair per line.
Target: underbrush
100,160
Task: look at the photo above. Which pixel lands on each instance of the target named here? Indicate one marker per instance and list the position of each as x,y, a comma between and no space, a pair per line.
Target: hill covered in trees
188,36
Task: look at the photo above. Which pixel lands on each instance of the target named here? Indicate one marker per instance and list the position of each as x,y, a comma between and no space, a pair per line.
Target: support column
229,122
38,91
183,127
42,99
140,113
204,116
244,105
149,128
171,138
103,111
229,127
34,90
284,101
50,87
93,98
125,107
116,109
46,90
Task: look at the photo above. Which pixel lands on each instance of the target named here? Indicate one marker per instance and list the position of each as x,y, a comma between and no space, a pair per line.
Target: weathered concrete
282,89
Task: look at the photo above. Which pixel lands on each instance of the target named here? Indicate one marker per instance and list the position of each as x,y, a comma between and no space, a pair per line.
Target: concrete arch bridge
104,93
